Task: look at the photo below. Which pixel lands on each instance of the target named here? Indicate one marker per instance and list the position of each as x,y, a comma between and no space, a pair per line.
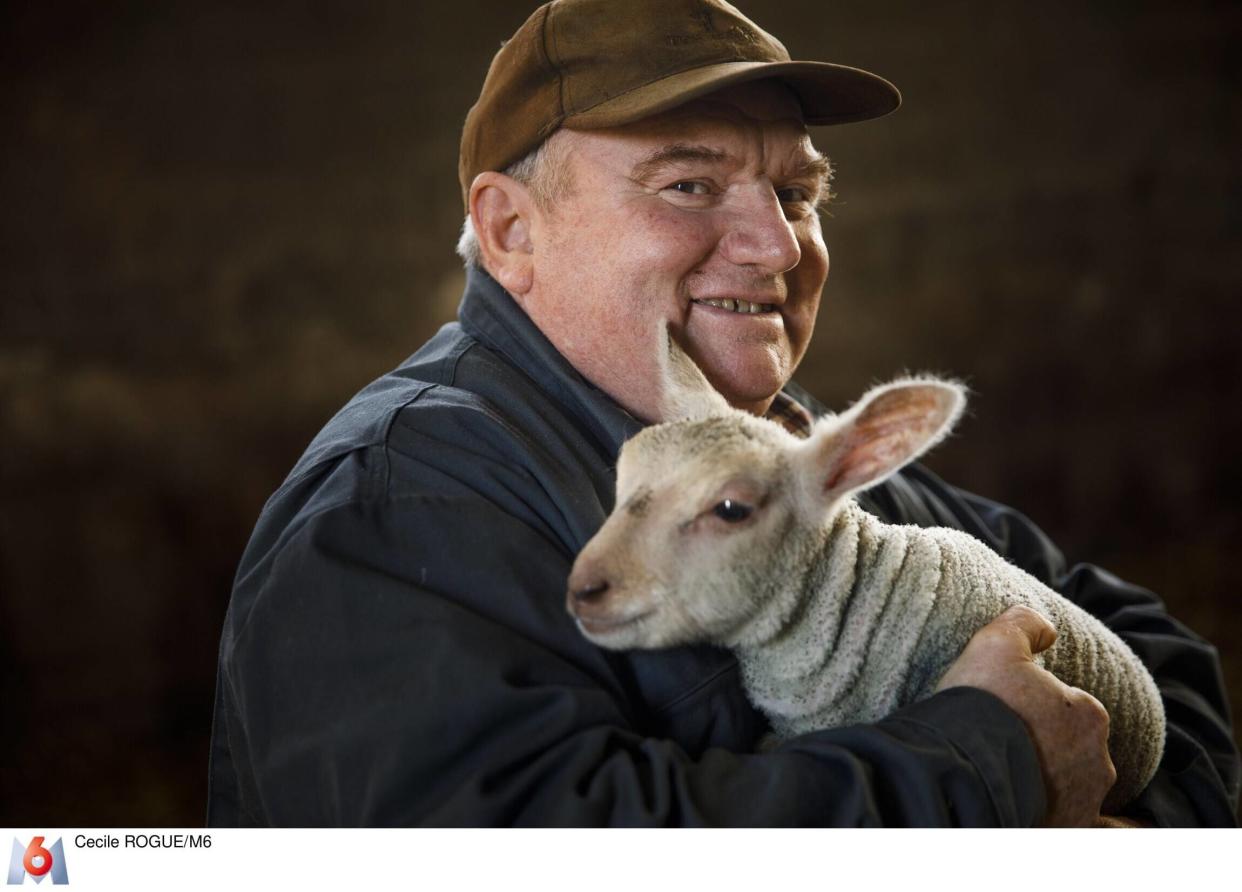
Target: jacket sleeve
1198,779
410,661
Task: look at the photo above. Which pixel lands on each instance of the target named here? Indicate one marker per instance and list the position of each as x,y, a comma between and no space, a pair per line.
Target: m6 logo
37,862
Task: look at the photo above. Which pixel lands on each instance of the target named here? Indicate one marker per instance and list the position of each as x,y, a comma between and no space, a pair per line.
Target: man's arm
1199,776
409,661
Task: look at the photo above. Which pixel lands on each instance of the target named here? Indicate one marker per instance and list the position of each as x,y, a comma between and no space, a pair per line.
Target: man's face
678,218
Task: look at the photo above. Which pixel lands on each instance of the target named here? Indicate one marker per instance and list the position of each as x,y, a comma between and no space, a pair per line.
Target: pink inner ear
888,433
919,410
868,458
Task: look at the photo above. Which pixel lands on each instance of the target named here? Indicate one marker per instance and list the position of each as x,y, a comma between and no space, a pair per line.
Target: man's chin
747,374
751,389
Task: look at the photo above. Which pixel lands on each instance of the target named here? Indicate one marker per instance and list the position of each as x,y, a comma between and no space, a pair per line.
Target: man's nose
760,235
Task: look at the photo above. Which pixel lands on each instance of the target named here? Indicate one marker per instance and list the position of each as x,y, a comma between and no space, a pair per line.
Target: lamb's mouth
606,626
744,307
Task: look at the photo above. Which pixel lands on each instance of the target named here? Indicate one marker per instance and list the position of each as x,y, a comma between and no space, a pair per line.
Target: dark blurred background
221,219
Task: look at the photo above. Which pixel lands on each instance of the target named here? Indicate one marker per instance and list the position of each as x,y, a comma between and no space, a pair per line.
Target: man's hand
1068,726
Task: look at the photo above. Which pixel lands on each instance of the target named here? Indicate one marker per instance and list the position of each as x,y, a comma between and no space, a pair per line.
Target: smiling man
397,651
703,216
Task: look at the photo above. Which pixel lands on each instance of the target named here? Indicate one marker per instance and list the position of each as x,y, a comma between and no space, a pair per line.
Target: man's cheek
672,240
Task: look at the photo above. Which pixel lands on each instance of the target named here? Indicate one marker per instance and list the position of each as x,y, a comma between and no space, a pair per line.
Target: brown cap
586,64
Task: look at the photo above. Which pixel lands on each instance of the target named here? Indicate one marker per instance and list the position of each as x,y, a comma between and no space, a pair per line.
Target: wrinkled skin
726,210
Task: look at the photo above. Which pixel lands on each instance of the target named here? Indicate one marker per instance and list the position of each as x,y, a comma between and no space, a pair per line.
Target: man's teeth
738,306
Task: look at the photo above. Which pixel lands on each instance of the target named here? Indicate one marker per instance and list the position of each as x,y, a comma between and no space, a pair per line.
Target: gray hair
542,171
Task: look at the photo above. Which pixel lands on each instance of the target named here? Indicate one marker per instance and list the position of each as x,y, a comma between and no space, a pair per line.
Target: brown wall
219,220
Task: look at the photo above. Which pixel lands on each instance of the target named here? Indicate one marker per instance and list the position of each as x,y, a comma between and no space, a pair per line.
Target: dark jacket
397,649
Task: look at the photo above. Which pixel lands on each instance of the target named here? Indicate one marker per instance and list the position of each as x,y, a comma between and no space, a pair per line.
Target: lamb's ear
888,428
685,394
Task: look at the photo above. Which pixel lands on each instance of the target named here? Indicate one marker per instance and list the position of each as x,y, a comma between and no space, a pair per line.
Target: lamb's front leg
1087,654
1068,727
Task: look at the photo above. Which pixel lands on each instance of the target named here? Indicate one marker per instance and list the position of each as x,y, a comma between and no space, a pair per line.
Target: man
397,650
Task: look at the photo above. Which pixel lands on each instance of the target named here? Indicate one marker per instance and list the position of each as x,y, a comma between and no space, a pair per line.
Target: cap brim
829,94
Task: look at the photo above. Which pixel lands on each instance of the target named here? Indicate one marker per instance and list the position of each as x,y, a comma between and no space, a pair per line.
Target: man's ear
887,429
502,211
685,393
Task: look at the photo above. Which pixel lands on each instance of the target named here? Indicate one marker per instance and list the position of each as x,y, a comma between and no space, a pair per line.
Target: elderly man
397,650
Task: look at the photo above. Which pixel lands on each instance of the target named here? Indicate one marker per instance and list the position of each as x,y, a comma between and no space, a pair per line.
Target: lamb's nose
591,592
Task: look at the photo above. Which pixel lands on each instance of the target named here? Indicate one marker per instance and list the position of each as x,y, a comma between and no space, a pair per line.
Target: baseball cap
587,64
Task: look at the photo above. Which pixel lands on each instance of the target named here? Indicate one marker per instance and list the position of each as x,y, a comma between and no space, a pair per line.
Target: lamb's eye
732,511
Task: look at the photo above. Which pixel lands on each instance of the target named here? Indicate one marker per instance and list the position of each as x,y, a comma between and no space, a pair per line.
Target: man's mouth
738,306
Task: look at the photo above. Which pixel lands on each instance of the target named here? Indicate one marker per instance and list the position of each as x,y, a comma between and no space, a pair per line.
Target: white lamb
730,530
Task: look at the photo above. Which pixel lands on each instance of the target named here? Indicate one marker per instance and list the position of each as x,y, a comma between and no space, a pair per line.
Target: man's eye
690,187
793,194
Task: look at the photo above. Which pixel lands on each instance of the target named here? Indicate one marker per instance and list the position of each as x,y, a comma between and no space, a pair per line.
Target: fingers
1012,638
1072,743
1096,721
1039,633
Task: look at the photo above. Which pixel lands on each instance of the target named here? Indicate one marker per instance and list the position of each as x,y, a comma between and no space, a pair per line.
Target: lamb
730,530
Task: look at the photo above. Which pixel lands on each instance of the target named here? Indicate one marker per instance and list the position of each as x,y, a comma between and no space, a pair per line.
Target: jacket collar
491,316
